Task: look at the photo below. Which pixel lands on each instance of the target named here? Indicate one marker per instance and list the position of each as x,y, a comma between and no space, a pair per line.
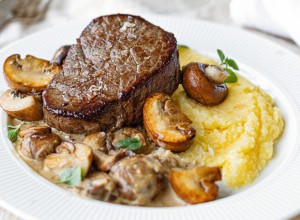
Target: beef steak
118,61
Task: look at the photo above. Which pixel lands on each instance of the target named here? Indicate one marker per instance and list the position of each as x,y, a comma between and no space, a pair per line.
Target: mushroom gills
30,74
167,126
196,185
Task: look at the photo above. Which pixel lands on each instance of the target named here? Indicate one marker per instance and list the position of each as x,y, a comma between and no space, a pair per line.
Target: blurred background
277,20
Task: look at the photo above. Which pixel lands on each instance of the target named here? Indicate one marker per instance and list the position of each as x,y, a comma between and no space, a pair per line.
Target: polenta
238,134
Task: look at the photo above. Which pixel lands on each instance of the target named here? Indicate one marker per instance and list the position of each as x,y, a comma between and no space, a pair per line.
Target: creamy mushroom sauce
167,197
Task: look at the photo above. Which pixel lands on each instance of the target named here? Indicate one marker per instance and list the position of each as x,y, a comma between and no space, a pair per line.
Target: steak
117,62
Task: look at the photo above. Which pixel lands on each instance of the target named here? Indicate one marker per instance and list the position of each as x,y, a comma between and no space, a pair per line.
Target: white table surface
64,11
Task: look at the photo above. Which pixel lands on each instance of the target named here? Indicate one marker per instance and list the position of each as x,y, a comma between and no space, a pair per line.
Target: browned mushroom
69,155
196,185
30,74
96,141
21,106
167,126
205,83
104,161
99,186
140,178
61,54
38,146
35,130
147,146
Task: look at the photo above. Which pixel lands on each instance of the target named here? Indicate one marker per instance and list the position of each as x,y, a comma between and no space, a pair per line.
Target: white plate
275,194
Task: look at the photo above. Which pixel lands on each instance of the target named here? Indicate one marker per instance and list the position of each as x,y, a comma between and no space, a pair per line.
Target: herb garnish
182,47
129,143
71,176
13,131
227,62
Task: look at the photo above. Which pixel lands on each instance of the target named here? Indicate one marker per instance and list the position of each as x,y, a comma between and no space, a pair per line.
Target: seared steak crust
118,61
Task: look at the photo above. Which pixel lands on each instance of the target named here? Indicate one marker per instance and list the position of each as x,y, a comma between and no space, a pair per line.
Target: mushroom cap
201,87
61,54
38,146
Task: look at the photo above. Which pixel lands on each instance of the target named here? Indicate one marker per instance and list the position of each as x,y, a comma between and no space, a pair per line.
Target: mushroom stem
216,74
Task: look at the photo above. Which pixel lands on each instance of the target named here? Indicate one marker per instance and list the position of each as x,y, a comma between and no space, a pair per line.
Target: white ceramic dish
275,194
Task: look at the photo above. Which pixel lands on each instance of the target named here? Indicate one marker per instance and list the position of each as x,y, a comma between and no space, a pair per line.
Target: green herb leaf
182,47
129,143
71,176
232,76
13,131
221,54
232,64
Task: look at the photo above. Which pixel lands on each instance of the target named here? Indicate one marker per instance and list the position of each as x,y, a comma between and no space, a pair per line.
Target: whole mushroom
38,145
61,54
205,83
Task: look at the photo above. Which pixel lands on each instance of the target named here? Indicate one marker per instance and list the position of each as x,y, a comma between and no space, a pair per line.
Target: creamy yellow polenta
239,134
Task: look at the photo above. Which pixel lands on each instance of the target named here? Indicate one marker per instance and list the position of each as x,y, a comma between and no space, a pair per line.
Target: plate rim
293,102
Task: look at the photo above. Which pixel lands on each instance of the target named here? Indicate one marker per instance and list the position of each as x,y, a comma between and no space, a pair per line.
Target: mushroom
147,146
30,74
167,126
38,146
196,185
99,186
35,130
61,54
96,141
104,161
21,106
140,178
205,83
69,155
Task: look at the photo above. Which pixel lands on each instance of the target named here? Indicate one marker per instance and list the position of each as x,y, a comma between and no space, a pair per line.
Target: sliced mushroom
146,148
35,130
69,155
96,141
61,54
21,106
196,185
140,178
104,162
99,186
30,74
38,146
167,126
205,83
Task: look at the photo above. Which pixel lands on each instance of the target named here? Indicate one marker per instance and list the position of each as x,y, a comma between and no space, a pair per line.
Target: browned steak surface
118,61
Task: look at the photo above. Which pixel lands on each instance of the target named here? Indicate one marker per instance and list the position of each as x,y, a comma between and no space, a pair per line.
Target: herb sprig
71,176
227,64
129,143
13,131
